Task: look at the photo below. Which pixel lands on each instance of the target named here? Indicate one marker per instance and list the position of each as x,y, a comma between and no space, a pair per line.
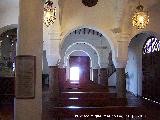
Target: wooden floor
91,102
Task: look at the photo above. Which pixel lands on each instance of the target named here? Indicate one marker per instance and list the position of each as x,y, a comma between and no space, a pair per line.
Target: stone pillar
30,35
104,76
54,83
52,39
62,78
121,82
120,78
120,61
95,75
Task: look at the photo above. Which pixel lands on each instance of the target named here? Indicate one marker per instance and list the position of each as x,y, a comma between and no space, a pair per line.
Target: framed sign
25,77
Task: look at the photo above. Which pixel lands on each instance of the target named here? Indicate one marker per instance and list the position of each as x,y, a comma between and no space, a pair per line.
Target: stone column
30,35
95,75
54,85
121,82
62,78
120,78
120,62
104,76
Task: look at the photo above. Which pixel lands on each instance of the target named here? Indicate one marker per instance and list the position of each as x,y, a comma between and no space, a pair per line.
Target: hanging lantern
49,13
140,18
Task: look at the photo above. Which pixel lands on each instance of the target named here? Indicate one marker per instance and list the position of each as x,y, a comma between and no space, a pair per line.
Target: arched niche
134,74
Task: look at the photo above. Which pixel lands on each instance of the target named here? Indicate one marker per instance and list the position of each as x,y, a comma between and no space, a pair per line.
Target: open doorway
79,69
74,74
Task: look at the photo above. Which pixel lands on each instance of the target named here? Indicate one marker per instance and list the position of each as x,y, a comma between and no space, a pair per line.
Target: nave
91,101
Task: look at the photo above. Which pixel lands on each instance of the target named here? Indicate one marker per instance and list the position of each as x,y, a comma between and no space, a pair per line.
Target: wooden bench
124,112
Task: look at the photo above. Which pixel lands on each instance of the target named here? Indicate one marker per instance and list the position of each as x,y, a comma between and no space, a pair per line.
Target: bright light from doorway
73,98
74,74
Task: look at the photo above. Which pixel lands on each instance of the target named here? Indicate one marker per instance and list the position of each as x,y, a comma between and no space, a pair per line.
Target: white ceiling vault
116,3
8,3
148,3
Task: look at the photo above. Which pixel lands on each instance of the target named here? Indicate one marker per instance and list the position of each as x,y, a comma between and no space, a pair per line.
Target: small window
151,45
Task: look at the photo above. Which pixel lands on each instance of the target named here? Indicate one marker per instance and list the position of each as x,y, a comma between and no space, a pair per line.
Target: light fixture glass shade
140,18
49,13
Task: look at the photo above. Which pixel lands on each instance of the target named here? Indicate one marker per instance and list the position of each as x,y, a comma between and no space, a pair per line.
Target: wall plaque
25,77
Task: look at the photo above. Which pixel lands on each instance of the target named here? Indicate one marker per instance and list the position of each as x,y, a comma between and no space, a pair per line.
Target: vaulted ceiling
6,4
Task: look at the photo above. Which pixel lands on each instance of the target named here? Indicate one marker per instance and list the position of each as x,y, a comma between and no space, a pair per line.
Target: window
152,44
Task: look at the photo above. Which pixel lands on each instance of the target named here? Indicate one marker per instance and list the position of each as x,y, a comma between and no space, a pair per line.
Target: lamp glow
140,18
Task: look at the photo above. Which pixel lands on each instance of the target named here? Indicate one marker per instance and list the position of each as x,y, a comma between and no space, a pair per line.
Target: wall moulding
124,37
120,63
54,36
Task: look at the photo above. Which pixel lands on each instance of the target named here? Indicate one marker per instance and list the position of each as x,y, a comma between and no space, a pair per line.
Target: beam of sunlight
74,74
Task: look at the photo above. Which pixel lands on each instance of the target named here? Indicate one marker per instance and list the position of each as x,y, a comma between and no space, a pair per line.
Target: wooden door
83,62
151,76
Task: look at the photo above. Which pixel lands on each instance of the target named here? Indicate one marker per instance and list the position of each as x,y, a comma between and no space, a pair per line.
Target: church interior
79,59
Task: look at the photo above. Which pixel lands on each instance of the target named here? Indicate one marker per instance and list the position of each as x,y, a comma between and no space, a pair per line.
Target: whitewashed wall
9,16
52,39
134,63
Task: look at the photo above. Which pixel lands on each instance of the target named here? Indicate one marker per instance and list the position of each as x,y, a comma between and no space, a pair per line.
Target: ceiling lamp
89,3
49,13
140,18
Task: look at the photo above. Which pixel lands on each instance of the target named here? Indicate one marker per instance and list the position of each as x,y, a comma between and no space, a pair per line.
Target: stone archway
86,48
92,38
107,38
83,61
151,69
134,64
93,60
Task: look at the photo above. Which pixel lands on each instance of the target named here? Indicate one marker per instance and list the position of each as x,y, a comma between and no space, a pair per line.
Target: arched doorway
79,69
91,37
134,64
140,64
83,49
151,69
95,44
